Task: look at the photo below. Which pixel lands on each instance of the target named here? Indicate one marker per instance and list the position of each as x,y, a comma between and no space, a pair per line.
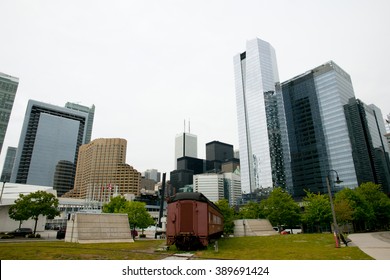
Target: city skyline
147,67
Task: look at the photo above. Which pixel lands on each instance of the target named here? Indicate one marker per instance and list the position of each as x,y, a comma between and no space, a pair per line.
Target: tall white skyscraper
256,77
186,145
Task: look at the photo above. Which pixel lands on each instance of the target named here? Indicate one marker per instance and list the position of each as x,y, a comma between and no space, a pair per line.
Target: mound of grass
283,247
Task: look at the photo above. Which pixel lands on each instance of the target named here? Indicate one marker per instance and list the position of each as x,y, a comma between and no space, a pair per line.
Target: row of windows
8,87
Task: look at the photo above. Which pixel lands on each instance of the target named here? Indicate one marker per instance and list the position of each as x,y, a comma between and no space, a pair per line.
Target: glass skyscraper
91,116
317,130
257,99
8,164
370,149
50,135
8,88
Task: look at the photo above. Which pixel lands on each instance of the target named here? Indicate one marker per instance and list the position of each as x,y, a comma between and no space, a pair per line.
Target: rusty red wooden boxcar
192,221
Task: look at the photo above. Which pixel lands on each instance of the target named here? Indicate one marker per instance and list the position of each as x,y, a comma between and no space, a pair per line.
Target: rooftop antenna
184,126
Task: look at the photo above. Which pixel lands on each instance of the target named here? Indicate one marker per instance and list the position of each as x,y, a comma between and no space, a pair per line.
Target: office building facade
102,171
153,174
210,185
257,99
317,130
8,164
370,149
387,122
8,88
50,134
91,116
186,145
218,186
218,153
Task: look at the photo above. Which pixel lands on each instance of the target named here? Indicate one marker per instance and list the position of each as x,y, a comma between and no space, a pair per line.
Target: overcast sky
149,65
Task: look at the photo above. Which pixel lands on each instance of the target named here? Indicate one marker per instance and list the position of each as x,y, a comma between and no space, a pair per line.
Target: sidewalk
374,244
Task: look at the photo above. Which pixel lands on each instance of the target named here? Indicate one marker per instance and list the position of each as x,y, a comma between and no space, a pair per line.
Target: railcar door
186,217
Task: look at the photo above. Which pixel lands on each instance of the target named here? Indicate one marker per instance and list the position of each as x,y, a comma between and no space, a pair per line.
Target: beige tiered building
102,172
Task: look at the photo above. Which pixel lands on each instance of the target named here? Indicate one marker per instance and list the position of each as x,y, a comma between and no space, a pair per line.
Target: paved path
374,244
184,256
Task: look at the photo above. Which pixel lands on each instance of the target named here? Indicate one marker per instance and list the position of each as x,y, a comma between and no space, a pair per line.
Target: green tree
19,210
317,212
116,205
346,208
370,207
361,212
377,203
35,204
136,211
281,209
138,215
228,216
251,210
344,211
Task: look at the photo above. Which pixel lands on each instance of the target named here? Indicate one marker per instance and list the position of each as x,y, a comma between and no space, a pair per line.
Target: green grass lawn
277,247
283,247
59,250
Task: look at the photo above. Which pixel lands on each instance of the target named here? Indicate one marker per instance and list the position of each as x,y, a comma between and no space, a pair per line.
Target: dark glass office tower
218,153
369,146
64,177
317,131
8,164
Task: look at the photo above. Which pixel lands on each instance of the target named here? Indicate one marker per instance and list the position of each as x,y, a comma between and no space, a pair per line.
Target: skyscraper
218,153
50,134
317,131
102,171
256,81
153,174
8,88
8,164
91,115
186,145
370,149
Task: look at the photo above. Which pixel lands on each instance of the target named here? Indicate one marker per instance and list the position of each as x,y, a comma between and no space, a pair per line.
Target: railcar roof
192,196
189,196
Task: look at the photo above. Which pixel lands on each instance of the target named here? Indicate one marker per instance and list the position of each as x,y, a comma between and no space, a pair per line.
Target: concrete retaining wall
98,228
253,227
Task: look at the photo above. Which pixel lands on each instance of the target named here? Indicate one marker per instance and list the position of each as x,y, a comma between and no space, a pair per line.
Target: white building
219,186
9,193
186,145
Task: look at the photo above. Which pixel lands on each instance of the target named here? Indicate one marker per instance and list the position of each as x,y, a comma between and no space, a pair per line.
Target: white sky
148,65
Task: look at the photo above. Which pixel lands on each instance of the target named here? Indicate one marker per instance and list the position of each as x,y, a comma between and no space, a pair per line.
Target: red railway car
192,221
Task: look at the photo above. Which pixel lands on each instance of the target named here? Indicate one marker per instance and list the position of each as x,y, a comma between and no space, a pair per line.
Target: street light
335,226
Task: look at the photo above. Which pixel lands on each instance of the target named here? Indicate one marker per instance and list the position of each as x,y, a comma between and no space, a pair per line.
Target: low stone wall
98,228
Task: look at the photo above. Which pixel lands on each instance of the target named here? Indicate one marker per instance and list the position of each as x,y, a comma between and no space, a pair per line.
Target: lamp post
335,226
